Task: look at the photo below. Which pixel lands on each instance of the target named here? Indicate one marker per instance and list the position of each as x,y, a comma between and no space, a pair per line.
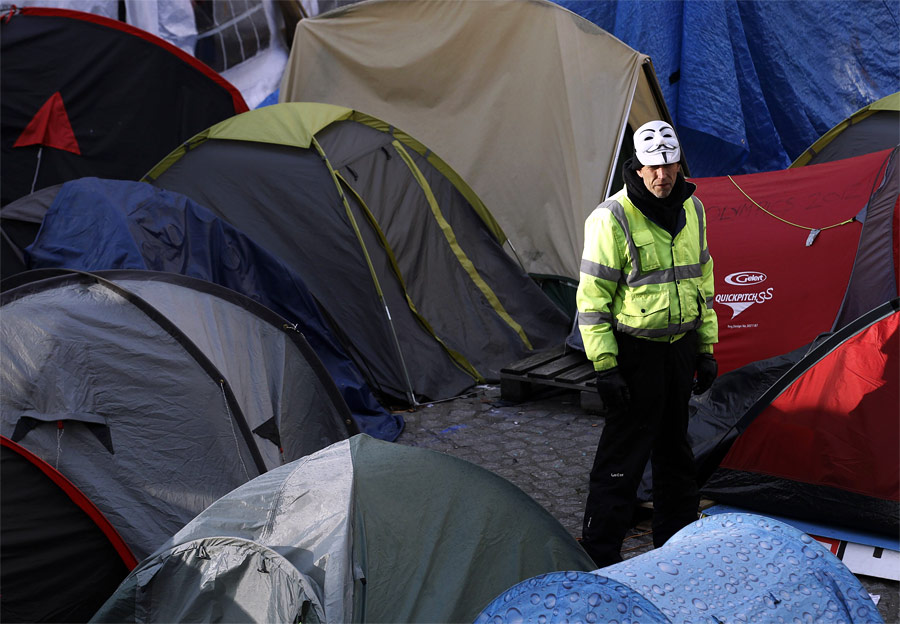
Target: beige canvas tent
527,101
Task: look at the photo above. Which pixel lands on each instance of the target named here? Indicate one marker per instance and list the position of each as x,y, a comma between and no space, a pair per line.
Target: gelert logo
740,301
745,278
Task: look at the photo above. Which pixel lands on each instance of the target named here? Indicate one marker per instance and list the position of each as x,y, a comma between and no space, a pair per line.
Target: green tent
361,531
400,253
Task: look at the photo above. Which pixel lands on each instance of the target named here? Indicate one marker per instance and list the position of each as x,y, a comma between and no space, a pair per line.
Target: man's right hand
613,390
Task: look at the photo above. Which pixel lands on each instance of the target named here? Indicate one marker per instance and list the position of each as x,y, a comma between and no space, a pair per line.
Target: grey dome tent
155,394
94,224
401,254
725,568
362,531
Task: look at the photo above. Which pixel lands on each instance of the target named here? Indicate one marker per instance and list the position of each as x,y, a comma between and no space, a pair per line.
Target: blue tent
143,227
752,84
732,567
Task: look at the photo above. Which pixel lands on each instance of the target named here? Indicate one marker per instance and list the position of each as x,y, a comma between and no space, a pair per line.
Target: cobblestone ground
545,446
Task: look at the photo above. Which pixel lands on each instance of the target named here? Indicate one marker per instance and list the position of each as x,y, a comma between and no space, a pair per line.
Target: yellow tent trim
461,256
458,358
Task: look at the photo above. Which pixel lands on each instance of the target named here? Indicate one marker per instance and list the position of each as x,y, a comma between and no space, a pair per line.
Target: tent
732,567
155,394
527,101
788,245
826,431
245,41
143,227
76,103
870,129
20,222
401,254
829,296
362,531
61,559
751,84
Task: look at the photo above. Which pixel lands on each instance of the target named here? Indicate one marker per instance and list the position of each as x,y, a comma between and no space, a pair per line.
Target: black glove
613,390
707,370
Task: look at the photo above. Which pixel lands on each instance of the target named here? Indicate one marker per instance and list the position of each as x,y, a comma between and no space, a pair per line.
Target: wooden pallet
559,367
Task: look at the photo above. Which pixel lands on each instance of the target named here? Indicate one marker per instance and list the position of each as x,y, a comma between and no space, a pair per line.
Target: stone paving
545,446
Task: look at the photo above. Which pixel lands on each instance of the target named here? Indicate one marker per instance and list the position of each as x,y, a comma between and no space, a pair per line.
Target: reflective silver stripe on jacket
594,318
704,253
602,271
657,333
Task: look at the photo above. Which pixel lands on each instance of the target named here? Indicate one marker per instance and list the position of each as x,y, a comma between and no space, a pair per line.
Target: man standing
645,312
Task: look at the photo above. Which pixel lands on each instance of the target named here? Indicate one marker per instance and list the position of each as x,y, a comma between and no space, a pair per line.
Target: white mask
655,143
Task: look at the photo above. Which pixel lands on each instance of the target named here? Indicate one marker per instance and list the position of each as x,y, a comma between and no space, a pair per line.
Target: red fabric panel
50,126
773,293
838,424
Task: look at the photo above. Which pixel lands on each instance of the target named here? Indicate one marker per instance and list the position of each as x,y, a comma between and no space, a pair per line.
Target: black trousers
659,377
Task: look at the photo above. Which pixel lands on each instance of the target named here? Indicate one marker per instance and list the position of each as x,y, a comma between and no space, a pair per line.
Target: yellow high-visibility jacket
638,280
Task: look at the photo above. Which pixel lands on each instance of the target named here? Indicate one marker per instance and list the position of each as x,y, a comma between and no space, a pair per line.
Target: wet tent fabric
731,567
752,84
358,533
401,254
75,104
870,129
61,559
143,227
464,83
827,431
156,394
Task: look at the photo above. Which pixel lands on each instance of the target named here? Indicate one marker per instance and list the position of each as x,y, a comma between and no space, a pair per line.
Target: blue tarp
732,567
751,84
143,227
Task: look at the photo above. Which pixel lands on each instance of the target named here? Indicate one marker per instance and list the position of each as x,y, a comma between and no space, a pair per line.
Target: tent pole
411,397
37,168
516,254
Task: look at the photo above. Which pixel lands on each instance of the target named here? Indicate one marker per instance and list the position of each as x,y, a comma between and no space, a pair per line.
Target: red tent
779,284
823,443
803,421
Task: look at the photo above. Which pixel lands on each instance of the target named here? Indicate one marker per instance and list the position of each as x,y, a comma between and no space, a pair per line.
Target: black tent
85,95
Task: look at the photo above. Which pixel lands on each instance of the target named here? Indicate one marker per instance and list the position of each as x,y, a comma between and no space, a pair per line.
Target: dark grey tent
362,531
20,222
395,246
872,128
155,394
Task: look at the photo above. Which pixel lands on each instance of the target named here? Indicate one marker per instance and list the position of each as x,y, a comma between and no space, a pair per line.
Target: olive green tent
361,531
396,248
